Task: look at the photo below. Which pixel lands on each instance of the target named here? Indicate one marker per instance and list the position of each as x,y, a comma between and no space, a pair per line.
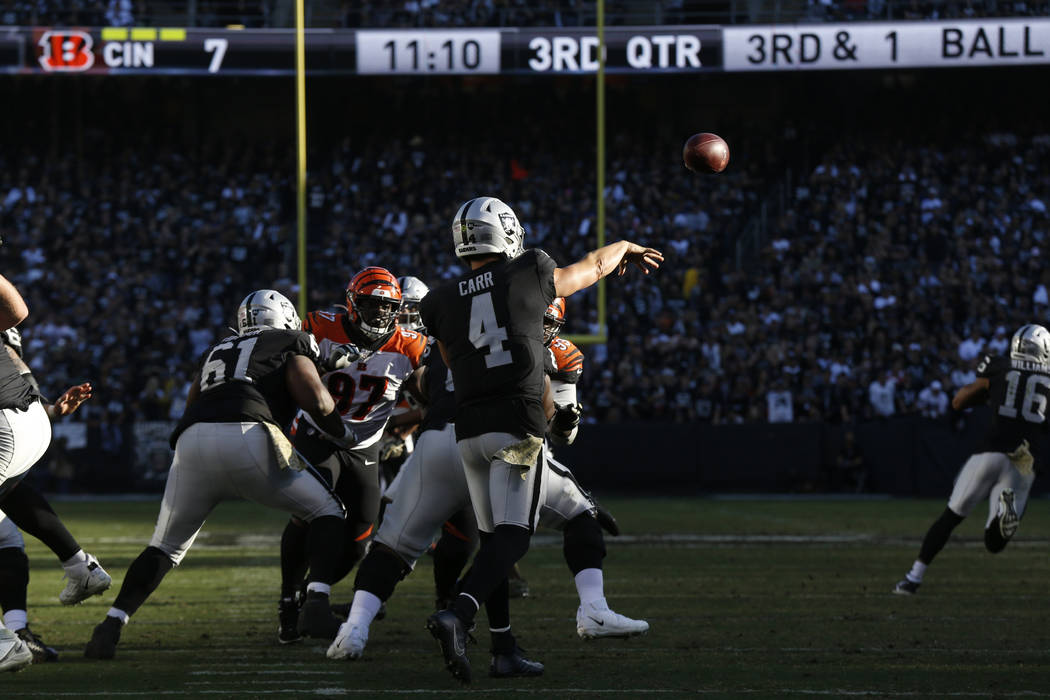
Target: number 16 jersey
1018,393
490,321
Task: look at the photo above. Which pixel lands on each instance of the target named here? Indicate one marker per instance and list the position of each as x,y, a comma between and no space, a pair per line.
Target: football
706,153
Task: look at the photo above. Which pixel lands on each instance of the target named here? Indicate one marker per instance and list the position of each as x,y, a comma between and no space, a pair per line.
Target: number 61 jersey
366,392
1018,392
242,379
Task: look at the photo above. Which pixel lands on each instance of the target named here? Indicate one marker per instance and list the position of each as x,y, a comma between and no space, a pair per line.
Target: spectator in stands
881,394
933,401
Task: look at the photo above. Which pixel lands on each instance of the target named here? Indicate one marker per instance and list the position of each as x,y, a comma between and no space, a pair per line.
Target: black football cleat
606,520
104,639
316,618
514,665
288,621
41,652
451,635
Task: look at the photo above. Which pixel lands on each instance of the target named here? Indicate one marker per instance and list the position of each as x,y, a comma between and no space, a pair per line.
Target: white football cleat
596,620
349,642
86,578
14,654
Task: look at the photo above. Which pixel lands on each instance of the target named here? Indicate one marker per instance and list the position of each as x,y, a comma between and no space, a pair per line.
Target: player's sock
497,555
364,609
324,543
918,569
79,557
497,608
380,572
590,585
583,543
318,587
14,579
450,555
294,554
15,620
118,614
31,512
938,534
143,577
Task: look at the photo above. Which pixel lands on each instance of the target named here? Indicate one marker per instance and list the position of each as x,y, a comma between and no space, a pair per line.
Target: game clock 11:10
467,51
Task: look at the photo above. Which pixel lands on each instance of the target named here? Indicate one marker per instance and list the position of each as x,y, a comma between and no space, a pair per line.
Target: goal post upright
603,330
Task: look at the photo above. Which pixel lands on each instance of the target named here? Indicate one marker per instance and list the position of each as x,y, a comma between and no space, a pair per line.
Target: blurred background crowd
833,274
499,13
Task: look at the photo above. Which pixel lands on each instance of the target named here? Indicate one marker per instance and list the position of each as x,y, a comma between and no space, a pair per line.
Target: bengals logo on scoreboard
66,50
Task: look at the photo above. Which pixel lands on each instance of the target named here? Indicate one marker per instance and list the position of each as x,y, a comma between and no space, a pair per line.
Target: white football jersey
366,392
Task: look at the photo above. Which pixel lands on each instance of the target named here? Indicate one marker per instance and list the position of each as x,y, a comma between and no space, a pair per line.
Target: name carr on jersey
475,284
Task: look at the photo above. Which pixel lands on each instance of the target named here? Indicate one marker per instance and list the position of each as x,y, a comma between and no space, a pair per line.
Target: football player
369,357
565,505
27,508
489,329
25,433
229,444
1003,467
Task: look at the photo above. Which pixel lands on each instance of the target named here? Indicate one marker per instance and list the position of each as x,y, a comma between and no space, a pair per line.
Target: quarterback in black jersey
229,444
489,329
1003,467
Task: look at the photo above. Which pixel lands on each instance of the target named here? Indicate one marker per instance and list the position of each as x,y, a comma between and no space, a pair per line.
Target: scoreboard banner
526,51
970,43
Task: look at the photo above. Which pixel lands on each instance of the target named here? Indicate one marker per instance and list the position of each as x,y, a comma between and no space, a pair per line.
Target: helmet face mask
487,226
1031,343
374,300
553,320
266,309
412,292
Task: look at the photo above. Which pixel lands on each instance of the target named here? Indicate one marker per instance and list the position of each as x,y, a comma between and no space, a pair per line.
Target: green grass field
745,598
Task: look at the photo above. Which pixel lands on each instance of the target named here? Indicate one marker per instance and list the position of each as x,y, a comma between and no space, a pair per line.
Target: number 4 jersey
490,321
242,380
366,392
1017,394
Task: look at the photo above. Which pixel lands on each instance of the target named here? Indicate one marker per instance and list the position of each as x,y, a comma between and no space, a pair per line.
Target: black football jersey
16,391
1017,394
242,379
491,323
441,403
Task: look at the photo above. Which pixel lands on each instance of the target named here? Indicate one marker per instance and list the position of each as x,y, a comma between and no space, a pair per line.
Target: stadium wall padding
905,456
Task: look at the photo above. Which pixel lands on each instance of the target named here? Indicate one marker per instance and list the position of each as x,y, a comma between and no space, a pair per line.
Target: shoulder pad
326,324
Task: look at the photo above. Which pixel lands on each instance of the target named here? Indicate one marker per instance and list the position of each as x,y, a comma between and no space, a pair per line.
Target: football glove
566,418
1022,459
340,356
345,441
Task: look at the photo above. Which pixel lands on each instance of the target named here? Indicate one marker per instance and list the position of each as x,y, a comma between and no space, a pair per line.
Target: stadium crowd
487,13
873,294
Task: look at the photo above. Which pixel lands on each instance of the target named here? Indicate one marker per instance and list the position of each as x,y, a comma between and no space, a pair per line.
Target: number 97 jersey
366,392
1018,394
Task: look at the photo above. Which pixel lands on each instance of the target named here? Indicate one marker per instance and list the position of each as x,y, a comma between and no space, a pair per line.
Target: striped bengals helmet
553,320
373,299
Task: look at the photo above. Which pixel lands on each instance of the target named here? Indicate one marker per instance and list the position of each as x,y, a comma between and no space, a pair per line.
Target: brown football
706,153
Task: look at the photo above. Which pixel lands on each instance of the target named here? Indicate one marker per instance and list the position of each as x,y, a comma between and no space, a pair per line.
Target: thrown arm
601,263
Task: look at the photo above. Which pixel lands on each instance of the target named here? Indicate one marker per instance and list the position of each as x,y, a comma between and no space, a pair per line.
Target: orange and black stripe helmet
553,320
373,299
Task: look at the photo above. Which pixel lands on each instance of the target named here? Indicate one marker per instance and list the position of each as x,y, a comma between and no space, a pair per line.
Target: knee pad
583,543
